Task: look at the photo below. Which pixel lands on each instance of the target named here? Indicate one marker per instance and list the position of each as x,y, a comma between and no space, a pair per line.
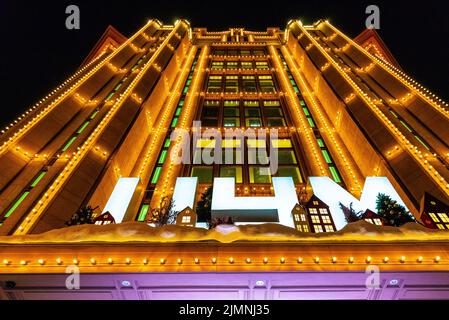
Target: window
299,228
245,52
258,156
326,219
377,222
249,84
204,174
297,218
266,84
305,228
259,175
315,219
251,103
271,103
232,172
443,217
247,65
313,211
286,157
231,103
262,65
156,175
292,172
275,122
273,112
232,84
231,122
186,219
232,65
318,228
329,228
214,85
217,65
259,52
281,143
369,221
303,217
440,226
253,122
434,217
212,103
143,212
316,203
231,112
324,211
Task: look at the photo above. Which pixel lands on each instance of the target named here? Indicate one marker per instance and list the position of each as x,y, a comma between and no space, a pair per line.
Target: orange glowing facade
342,109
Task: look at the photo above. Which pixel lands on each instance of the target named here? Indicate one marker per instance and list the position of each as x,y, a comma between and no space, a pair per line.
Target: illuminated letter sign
333,194
121,197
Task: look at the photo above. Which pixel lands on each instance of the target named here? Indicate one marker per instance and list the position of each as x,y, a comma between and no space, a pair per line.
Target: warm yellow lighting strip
345,158
51,193
292,97
151,153
248,261
412,149
401,76
64,84
186,114
64,95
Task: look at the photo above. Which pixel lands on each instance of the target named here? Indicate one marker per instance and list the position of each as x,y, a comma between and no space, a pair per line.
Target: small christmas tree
83,216
204,206
393,213
350,214
165,214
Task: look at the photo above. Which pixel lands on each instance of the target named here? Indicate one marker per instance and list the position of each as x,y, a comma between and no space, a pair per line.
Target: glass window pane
231,112
232,172
290,172
211,112
253,122
231,122
251,103
286,157
259,175
281,143
231,103
275,122
258,156
204,174
272,112
252,112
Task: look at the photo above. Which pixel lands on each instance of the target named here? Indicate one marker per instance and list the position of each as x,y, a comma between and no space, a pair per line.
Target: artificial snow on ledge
140,232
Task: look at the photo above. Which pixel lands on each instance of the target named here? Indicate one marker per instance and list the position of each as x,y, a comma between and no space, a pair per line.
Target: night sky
38,52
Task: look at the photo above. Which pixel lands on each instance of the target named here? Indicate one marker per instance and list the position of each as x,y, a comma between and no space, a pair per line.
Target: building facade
339,108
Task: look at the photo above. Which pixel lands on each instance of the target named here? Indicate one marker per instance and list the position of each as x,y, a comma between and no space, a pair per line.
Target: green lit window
204,174
118,87
232,172
156,175
175,122
335,174
80,130
181,103
68,144
178,112
259,175
110,96
186,90
17,203
327,157
163,157
306,111
312,124
94,115
143,212
320,143
167,143
38,179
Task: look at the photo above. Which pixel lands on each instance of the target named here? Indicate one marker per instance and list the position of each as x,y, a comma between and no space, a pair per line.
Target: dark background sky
38,52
